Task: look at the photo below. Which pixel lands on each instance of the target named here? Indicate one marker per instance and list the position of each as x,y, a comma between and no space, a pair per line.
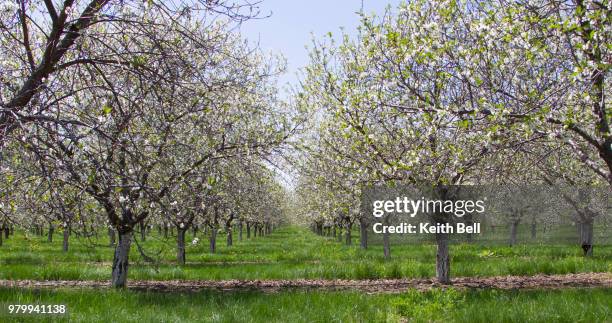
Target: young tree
42,42
398,94
542,68
139,137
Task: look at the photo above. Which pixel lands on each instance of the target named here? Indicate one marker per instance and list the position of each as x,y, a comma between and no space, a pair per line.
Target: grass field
294,252
288,253
567,305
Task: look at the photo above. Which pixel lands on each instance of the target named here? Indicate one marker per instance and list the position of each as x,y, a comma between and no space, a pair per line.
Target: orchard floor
488,305
289,253
586,280
256,279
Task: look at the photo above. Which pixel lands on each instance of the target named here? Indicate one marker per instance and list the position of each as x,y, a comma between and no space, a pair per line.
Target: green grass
288,253
294,252
568,305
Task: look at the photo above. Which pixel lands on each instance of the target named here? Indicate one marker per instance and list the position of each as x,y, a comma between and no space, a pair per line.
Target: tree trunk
248,225
513,231
334,231
363,234
469,220
255,231
533,230
442,258
213,240
111,236
165,230
229,236
50,233
180,246
586,237
240,231
120,260
386,242
1,236
66,237
386,245
143,231
349,227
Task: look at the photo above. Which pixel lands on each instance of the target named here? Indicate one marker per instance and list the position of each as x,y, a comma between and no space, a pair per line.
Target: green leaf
139,61
464,124
106,109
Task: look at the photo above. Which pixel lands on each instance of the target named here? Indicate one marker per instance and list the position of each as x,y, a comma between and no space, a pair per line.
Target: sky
290,28
292,24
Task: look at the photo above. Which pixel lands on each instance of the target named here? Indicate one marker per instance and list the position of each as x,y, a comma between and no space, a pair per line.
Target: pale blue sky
292,23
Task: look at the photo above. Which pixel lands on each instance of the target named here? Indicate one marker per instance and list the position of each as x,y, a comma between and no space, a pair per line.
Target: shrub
432,305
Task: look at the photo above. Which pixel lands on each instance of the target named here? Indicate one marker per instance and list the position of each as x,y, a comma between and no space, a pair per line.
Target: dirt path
370,286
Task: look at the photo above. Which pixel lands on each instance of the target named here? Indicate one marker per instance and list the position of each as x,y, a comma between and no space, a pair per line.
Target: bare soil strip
589,280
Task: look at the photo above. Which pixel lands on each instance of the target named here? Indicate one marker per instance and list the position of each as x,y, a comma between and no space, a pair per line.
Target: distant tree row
126,114
459,93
